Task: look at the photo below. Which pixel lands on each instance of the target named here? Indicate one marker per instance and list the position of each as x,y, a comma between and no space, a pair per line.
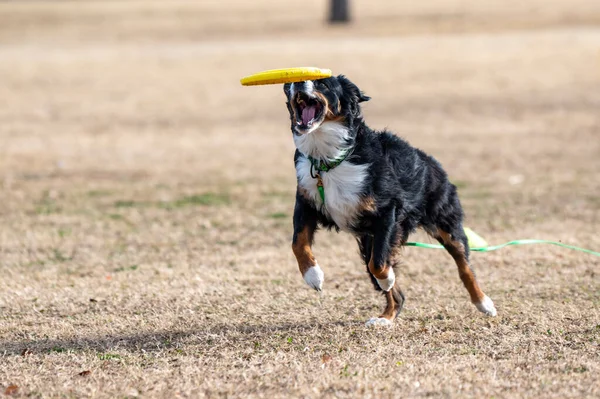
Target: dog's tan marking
391,308
302,250
385,275
464,270
380,274
384,271
323,99
330,116
304,193
367,205
394,302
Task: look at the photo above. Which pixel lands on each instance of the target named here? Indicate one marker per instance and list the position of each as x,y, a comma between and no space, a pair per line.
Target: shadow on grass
164,340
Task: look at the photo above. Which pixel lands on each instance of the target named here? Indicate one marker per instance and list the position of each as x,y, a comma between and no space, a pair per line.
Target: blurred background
130,156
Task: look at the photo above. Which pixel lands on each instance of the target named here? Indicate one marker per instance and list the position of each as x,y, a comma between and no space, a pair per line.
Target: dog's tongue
308,113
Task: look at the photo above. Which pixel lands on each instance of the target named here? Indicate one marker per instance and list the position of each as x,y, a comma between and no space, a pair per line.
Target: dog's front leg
383,240
385,243
305,224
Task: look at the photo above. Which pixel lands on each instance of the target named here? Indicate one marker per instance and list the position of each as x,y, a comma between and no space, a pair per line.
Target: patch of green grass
120,218
593,199
126,268
460,184
476,194
206,199
278,215
57,349
578,370
47,206
98,193
344,372
126,204
109,356
64,232
278,194
37,262
58,256
202,199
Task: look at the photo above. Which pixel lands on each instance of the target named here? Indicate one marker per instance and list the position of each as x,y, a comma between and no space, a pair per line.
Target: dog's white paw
487,306
314,277
378,321
388,283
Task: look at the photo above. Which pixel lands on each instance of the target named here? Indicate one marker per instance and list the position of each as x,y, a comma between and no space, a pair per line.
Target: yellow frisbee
285,75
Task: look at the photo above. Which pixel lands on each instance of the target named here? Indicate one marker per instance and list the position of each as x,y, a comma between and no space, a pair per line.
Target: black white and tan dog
371,184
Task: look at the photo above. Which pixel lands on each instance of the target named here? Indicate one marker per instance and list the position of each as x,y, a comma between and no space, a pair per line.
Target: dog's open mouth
309,110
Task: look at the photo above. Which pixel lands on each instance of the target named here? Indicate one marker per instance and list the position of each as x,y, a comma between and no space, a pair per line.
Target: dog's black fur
410,189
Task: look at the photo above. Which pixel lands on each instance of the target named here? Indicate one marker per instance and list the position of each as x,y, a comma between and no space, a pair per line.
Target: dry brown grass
146,197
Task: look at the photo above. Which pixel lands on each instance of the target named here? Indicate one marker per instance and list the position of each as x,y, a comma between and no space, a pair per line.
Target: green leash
495,247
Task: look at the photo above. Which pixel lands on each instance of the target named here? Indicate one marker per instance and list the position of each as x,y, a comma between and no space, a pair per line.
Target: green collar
326,166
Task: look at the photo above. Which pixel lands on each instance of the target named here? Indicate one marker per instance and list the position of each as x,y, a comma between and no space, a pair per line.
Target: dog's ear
351,95
351,89
286,89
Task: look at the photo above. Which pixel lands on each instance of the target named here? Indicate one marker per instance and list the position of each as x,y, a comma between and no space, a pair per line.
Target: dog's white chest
342,187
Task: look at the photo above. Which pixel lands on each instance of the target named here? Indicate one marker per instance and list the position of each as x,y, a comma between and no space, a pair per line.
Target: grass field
146,200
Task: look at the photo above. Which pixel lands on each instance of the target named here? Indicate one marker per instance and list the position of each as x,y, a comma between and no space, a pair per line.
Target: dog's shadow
220,334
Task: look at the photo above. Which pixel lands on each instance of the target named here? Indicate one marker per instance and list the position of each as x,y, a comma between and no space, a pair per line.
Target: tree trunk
339,11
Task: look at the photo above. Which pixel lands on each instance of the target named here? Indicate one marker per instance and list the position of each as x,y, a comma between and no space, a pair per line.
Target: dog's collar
326,166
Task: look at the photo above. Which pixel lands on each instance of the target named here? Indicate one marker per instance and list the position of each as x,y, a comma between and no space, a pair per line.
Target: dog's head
313,102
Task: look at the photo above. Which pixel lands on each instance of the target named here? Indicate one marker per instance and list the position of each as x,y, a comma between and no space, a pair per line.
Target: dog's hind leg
443,221
455,241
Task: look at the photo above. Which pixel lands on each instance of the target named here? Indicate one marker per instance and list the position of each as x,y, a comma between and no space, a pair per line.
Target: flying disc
285,75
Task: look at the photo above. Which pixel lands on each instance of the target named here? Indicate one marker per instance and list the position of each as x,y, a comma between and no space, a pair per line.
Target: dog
371,184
